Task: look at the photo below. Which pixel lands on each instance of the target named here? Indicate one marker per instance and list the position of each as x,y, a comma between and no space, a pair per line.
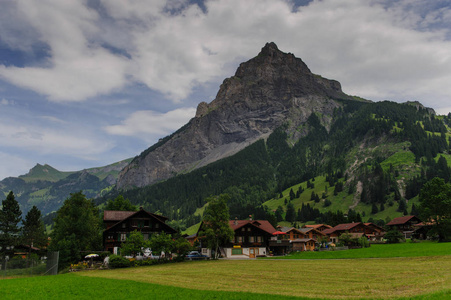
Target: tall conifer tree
10,217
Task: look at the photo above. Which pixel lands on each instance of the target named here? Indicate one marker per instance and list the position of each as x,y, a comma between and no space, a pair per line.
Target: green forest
369,163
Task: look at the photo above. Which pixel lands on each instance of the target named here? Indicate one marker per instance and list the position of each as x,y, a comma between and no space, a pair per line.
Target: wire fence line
30,265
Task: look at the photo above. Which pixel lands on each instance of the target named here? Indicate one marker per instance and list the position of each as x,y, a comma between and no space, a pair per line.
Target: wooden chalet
319,227
374,232
335,232
119,224
406,225
295,239
251,238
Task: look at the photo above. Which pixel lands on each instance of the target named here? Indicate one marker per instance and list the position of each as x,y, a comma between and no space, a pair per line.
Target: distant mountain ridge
47,187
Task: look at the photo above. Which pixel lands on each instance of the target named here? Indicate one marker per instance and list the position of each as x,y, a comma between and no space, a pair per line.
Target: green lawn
408,249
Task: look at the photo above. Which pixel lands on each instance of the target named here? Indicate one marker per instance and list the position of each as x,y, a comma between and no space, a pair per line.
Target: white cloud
148,125
12,165
377,49
56,140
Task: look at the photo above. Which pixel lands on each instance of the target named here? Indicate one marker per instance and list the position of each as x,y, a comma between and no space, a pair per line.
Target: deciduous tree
215,230
119,203
435,207
76,229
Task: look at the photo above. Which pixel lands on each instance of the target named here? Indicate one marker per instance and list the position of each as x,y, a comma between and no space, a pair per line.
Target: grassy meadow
421,271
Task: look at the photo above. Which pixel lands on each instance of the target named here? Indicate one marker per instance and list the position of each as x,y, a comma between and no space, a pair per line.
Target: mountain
279,138
265,92
47,187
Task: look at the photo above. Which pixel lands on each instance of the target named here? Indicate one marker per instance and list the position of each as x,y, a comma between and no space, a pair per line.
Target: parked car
194,255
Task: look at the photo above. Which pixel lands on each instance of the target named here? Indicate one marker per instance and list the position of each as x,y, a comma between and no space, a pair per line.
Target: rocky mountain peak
267,91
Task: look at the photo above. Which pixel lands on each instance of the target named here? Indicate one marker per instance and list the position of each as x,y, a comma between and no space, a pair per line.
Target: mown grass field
400,271
409,277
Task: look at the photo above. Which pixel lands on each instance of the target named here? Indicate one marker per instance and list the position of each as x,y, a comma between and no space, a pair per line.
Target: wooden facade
406,225
119,224
251,238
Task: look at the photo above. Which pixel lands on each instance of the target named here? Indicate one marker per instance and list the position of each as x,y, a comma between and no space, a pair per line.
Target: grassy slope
399,157
44,173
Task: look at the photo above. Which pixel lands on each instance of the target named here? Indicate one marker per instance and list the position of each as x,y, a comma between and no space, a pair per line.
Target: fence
30,266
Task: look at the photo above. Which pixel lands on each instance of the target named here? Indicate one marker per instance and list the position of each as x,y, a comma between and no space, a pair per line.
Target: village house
289,239
251,238
374,232
356,229
119,225
319,227
406,225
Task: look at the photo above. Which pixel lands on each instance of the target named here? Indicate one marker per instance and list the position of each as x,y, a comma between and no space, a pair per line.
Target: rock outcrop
271,89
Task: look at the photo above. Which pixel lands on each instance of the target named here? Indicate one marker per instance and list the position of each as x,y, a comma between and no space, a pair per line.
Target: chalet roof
346,226
341,227
374,226
316,226
116,215
328,231
303,240
262,224
128,214
401,220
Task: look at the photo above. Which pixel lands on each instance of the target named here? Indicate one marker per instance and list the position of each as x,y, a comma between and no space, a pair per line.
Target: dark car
193,255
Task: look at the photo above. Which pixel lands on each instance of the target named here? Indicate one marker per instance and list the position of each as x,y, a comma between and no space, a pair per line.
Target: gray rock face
272,89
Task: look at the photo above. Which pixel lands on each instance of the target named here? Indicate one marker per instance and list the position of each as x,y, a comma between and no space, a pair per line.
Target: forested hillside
369,161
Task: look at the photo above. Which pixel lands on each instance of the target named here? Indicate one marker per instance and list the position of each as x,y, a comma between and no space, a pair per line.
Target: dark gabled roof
129,214
402,220
341,227
316,226
302,240
346,226
116,215
328,231
374,226
261,224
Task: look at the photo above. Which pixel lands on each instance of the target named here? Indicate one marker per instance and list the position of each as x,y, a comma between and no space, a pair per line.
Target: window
134,223
251,239
123,237
146,223
259,239
124,225
248,229
240,239
243,229
157,225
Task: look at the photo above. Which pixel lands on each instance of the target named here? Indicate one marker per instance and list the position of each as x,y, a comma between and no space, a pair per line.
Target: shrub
393,236
117,261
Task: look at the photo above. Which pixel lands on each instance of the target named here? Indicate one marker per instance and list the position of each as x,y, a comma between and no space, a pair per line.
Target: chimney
236,221
250,217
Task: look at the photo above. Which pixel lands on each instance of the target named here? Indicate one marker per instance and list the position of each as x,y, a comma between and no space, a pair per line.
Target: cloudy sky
88,83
